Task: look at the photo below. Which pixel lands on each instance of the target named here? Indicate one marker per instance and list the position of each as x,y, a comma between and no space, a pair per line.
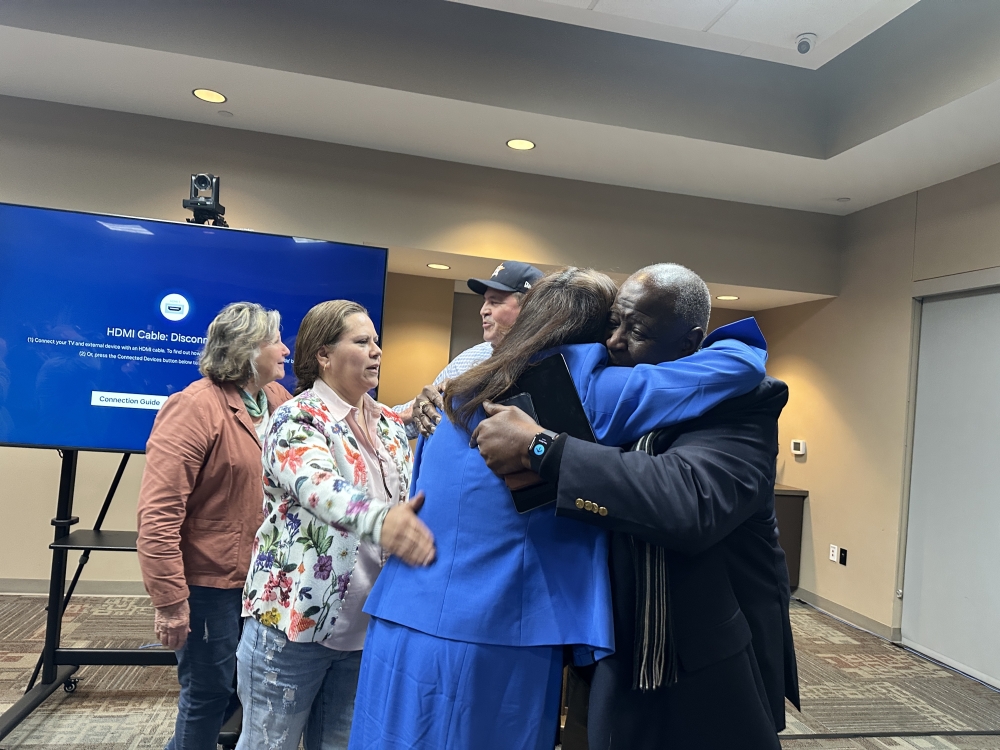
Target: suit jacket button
594,508
588,505
603,511
579,502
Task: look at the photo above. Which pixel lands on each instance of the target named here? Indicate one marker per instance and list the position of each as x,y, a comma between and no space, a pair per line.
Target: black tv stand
58,665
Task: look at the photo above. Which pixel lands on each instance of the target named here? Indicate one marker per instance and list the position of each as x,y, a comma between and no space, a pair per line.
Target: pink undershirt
348,632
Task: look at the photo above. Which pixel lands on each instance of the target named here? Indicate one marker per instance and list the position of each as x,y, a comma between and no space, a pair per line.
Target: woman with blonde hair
199,507
336,477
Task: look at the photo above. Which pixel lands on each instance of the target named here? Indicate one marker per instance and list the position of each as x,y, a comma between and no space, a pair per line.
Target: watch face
539,449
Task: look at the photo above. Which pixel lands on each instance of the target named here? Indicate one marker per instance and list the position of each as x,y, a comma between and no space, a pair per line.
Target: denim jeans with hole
294,690
206,665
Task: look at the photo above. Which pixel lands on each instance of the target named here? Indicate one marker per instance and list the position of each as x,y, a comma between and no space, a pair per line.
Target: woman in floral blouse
336,476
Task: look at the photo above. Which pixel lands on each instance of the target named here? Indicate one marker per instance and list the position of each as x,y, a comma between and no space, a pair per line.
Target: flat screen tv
103,317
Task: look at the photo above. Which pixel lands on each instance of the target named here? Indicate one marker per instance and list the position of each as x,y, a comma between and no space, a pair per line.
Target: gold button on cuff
603,511
579,502
594,508
588,505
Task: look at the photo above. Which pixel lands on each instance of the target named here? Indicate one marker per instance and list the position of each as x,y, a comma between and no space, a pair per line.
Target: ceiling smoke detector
804,43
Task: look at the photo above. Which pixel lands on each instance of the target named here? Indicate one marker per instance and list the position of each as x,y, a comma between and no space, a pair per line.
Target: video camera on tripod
204,201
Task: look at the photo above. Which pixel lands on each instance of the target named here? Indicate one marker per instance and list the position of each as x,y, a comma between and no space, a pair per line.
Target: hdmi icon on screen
174,307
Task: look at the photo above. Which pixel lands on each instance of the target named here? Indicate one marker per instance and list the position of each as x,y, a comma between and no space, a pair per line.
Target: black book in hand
547,393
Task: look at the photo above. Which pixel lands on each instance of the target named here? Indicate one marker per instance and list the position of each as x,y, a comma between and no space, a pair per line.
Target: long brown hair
322,326
571,306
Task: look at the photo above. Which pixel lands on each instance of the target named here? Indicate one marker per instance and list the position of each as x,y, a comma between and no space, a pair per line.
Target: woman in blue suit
468,652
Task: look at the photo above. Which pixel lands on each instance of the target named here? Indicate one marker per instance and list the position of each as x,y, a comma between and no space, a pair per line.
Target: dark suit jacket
707,497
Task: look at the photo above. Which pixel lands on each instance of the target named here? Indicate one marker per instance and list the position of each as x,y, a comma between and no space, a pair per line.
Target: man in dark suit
703,651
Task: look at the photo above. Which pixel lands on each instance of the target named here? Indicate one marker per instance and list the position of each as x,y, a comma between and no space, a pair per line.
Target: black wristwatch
539,448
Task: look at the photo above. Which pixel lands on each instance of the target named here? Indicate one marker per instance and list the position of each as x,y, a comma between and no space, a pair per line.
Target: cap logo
527,285
497,272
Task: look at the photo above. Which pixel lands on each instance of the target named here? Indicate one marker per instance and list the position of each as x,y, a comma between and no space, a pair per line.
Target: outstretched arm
297,458
419,415
625,403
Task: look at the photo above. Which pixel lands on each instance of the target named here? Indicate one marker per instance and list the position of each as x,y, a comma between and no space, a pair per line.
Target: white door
951,596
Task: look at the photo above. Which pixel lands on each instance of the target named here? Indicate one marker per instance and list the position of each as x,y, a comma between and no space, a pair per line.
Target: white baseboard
990,680
848,615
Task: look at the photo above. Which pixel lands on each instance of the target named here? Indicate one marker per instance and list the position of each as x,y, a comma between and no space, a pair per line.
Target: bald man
703,651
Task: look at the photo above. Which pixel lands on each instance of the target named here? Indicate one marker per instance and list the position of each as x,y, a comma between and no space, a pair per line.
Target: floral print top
317,511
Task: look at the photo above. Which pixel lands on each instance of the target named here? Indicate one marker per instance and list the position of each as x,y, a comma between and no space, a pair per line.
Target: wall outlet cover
833,552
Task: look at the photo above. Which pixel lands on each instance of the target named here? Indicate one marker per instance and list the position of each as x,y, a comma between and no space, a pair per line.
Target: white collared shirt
348,632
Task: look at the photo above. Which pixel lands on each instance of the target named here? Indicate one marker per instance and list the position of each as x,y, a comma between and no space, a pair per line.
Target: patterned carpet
851,682
854,683
113,708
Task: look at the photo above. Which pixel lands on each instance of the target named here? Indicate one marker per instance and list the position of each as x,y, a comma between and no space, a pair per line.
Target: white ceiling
763,29
945,143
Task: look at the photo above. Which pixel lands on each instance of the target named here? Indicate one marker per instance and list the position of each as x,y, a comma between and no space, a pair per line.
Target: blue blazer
534,579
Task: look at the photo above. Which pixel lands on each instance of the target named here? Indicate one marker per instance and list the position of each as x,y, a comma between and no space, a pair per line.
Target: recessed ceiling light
520,144
727,297
843,200
438,266
225,113
207,95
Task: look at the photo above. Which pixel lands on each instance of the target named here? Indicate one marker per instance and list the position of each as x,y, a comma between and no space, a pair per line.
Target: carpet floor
851,683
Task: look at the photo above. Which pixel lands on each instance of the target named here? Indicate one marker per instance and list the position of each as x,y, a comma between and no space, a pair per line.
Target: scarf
654,656
255,408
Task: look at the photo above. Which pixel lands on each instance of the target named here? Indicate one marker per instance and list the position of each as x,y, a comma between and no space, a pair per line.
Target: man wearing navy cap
502,294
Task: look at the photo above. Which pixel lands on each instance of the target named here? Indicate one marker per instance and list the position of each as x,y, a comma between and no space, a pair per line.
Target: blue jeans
206,666
290,690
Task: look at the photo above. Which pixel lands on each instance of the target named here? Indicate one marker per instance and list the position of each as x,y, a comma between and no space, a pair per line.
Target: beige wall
724,316
848,365
416,333
466,323
93,160
30,486
416,336
846,362
958,226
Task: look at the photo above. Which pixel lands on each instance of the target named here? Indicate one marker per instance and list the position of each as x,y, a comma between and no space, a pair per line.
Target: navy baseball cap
510,276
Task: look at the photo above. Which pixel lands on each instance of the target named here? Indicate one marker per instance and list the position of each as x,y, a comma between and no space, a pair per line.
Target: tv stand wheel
70,685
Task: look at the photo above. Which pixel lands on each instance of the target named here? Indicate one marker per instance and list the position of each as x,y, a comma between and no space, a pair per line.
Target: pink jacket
201,498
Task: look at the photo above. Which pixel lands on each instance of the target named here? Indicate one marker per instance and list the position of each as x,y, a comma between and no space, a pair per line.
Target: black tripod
204,216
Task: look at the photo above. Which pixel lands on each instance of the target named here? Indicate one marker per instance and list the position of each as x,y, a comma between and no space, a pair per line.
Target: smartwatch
539,448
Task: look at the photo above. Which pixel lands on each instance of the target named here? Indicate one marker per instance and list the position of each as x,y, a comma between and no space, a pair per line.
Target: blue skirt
421,692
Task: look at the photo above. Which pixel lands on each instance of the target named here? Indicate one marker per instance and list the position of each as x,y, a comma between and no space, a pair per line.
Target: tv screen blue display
103,317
